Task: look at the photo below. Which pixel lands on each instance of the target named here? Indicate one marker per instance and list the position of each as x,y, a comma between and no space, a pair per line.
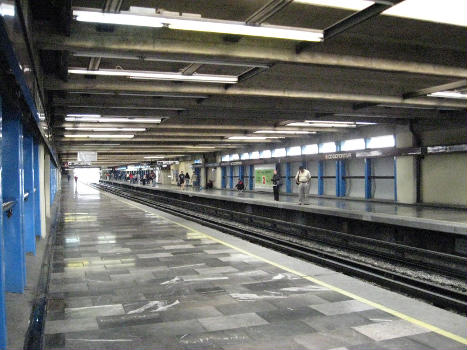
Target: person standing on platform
276,183
76,179
187,179
181,180
303,179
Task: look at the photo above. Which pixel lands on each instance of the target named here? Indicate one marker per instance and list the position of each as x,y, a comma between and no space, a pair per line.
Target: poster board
263,176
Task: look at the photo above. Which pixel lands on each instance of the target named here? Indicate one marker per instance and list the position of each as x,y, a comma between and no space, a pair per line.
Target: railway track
319,246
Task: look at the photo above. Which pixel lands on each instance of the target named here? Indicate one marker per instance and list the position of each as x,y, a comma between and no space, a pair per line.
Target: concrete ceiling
361,74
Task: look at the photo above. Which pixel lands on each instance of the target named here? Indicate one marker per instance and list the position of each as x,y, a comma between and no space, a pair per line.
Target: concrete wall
444,179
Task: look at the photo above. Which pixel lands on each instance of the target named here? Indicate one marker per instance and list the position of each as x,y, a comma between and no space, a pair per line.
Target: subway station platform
127,276
449,220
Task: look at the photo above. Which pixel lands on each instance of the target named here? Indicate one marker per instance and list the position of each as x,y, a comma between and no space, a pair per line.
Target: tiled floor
126,279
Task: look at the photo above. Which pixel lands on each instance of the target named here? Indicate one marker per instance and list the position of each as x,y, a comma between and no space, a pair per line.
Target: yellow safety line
398,314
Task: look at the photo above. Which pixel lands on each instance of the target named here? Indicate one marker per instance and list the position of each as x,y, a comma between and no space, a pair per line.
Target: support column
320,177
340,181
223,177
47,184
406,166
42,191
37,192
251,176
3,328
231,177
288,180
241,172
368,178
28,222
13,190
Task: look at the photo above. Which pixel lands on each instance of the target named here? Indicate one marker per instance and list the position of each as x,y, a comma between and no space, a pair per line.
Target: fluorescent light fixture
289,132
253,137
449,94
107,129
101,144
114,120
448,12
205,78
84,115
199,24
154,157
356,5
99,136
322,125
7,9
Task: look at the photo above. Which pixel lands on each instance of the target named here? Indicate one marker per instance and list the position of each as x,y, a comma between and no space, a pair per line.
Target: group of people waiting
183,180
143,179
302,179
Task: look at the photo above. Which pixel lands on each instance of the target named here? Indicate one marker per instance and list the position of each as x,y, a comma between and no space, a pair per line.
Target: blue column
13,190
223,177
340,181
37,194
251,176
241,172
198,177
231,177
320,177
53,181
368,178
28,223
3,334
288,180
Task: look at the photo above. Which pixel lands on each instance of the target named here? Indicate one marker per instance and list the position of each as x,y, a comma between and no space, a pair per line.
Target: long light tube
287,132
199,24
254,137
114,120
99,136
449,94
205,78
106,129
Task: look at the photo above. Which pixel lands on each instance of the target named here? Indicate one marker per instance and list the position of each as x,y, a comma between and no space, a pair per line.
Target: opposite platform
128,276
414,216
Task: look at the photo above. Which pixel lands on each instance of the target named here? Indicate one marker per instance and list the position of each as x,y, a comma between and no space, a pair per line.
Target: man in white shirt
303,179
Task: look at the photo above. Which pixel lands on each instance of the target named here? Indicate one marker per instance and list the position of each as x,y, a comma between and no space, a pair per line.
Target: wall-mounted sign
263,176
87,156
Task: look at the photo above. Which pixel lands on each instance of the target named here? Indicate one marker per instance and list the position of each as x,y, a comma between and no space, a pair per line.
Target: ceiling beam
56,84
142,43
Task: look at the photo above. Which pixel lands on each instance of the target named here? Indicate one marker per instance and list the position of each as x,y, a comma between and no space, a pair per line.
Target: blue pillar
251,176
223,177
231,177
241,172
3,334
28,222
37,194
368,178
13,190
288,180
340,181
198,177
320,177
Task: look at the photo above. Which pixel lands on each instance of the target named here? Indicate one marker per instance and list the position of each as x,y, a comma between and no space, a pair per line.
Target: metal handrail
8,207
26,196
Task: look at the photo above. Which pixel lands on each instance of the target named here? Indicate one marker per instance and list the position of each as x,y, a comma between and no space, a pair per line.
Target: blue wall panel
28,222
3,334
37,198
13,190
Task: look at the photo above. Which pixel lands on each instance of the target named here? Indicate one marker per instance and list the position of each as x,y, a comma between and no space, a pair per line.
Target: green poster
263,177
